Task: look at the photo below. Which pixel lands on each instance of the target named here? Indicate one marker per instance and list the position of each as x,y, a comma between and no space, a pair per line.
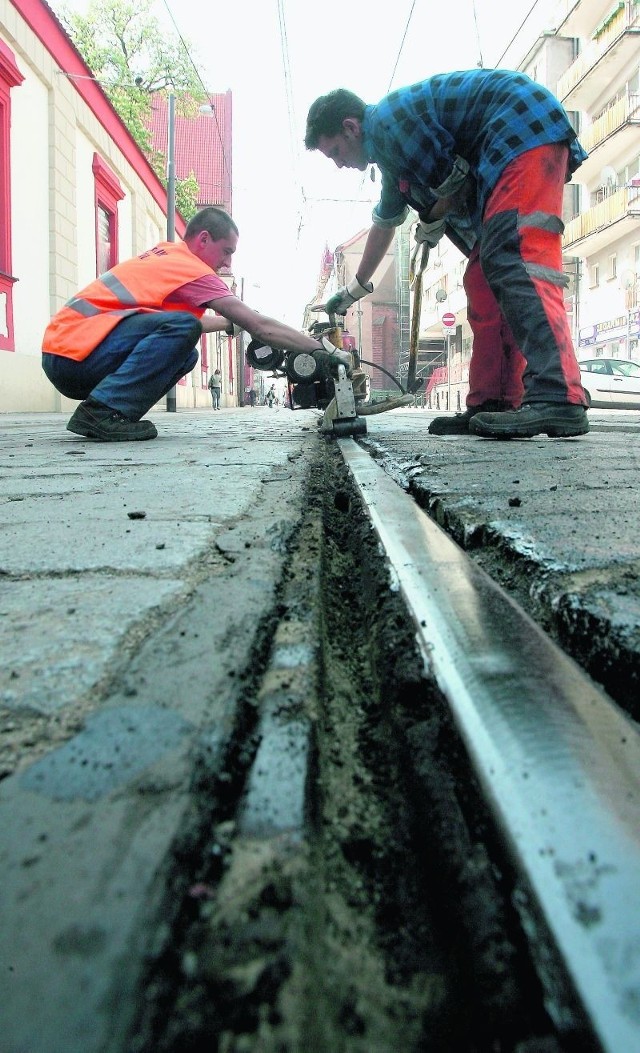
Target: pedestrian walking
215,387
489,150
128,337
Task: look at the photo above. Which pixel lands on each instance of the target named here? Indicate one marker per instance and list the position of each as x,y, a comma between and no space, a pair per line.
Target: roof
202,146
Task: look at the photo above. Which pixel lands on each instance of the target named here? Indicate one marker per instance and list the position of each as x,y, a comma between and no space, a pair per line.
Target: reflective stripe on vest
90,315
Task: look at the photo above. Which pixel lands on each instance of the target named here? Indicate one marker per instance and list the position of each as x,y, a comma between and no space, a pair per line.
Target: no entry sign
448,320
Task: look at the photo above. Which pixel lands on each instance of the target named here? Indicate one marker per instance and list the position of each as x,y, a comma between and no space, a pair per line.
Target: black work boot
555,419
459,423
97,421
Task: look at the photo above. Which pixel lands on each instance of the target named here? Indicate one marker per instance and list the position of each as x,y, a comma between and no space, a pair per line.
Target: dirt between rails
384,923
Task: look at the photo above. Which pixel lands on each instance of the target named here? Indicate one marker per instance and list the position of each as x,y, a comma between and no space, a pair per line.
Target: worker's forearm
378,241
213,323
267,330
277,334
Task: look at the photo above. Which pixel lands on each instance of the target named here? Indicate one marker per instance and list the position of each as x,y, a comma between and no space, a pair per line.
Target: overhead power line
404,37
206,90
515,35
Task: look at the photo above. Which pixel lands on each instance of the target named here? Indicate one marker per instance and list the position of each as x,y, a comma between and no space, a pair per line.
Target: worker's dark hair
327,113
215,221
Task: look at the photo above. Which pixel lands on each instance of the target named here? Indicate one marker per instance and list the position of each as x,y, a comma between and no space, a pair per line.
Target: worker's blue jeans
134,366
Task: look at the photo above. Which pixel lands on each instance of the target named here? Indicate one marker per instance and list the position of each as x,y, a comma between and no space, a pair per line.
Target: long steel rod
558,763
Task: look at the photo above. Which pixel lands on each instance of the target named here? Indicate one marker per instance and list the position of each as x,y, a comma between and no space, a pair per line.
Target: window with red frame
10,77
108,193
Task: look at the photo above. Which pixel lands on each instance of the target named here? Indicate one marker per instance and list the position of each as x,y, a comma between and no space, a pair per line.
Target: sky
276,57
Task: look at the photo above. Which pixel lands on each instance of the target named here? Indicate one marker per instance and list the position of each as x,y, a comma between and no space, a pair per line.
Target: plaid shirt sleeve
487,117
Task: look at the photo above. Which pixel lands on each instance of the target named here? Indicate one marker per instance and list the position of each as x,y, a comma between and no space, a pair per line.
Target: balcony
576,18
596,68
603,224
621,120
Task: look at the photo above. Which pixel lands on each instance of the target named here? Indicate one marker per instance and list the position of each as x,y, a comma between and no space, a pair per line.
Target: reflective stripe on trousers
521,259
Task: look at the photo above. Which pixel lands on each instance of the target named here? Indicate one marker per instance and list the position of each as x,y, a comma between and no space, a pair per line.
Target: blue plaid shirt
487,117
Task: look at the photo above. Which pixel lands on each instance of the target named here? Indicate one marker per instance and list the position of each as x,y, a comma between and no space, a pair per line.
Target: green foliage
131,56
187,196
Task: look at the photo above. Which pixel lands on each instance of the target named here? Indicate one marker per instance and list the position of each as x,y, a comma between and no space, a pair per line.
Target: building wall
21,378
373,320
57,127
602,77
604,314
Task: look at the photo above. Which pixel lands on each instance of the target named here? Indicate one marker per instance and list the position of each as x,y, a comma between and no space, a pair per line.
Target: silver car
611,383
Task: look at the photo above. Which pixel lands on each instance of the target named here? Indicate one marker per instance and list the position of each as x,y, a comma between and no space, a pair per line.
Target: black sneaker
96,421
459,423
555,419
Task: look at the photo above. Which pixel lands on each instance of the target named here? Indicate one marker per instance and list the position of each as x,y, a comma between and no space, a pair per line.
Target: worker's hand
342,300
233,330
338,355
429,233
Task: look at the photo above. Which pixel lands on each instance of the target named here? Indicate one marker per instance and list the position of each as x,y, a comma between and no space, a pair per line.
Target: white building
602,84
590,59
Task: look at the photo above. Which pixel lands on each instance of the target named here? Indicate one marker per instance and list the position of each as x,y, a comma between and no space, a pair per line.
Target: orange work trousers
522,346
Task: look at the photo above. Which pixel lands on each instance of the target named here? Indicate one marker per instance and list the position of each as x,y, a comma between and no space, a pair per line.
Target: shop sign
613,329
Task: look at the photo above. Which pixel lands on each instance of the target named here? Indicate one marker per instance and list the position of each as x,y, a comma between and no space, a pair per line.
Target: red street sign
448,320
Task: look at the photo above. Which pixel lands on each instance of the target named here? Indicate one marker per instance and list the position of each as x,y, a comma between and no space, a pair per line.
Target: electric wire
480,62
393,73
518,30
404,37
206,90
291,115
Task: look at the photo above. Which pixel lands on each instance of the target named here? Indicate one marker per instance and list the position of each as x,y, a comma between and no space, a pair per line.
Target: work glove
339,355
342,300
233,329
429,233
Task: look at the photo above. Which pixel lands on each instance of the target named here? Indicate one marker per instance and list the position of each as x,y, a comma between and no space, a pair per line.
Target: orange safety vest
141,284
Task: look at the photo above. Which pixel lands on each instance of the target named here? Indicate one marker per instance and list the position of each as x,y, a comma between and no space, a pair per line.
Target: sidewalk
134,579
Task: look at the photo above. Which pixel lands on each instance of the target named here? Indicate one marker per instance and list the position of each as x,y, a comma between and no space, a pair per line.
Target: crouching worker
128,337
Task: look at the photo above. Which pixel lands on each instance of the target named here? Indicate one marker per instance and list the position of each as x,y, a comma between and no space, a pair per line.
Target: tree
187,196
131,57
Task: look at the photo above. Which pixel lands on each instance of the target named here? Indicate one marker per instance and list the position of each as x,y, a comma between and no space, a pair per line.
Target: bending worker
498,147
127,338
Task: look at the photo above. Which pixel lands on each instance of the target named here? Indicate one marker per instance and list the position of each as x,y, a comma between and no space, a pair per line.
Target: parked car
611,383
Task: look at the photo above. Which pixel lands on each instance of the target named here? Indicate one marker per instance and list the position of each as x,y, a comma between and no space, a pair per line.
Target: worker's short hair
215,221
327,113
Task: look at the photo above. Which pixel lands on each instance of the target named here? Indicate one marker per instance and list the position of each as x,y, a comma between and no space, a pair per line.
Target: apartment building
602,84
590,59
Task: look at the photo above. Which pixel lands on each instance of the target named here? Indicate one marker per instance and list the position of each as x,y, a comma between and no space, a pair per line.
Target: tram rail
558,762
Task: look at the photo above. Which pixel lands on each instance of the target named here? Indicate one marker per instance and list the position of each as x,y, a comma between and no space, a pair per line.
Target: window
626,369
613,265
10,77
594,276
107,194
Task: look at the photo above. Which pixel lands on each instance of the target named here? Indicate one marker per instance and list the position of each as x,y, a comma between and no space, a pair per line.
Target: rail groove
558,762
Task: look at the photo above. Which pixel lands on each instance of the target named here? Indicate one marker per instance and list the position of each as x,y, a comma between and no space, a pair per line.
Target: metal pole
448,371
171,204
